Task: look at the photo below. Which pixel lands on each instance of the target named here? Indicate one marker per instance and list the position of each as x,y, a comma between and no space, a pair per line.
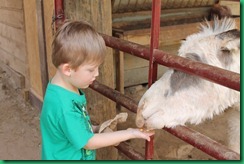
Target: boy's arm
100,140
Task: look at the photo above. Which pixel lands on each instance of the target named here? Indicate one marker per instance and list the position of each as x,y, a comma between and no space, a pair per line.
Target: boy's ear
66,69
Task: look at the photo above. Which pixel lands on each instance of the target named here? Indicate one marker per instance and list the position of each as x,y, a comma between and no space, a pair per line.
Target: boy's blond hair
77,42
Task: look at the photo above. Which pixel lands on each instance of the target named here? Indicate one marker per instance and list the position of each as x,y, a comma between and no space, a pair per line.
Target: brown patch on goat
180,80
219,11
231,34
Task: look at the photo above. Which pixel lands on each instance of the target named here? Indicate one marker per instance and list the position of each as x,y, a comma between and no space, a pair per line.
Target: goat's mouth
140,121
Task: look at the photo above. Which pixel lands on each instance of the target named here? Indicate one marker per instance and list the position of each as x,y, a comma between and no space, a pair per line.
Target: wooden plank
16,49
14,4
32,47
35,99
169,17
140,75
13,62
168,35
48,7
119,75
12,18
131,62
122,6
119,71
42,45
12,42
15,34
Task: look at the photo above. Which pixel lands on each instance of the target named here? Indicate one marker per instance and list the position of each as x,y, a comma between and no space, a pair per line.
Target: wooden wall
13,55
19,46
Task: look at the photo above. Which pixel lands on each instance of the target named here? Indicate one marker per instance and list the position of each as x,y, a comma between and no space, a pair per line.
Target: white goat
178,98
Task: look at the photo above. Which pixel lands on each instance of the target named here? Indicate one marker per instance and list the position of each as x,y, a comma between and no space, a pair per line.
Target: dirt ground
19,125
20,135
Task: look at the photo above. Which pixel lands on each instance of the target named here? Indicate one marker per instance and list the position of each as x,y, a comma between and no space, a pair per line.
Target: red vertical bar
152,77
155,28
59,13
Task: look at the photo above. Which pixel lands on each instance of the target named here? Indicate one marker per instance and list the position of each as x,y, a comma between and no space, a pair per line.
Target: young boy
67,132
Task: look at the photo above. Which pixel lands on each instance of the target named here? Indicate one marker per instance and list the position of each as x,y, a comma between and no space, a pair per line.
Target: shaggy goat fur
178,98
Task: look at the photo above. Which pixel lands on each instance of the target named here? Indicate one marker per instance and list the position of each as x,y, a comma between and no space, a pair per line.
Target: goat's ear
230,40
230,45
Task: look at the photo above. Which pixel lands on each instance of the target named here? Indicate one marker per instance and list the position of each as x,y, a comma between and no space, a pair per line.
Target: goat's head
164,102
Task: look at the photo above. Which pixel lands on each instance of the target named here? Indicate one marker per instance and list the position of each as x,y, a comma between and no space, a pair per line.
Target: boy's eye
91,70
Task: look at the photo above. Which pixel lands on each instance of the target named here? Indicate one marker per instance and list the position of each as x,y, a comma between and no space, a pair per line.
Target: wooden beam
42,45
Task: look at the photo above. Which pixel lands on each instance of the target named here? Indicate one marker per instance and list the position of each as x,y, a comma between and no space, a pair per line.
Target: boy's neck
60,80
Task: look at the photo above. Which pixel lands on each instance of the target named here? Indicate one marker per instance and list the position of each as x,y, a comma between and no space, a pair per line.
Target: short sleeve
75,127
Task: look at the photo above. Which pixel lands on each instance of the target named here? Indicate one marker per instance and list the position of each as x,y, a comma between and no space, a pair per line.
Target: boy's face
84,75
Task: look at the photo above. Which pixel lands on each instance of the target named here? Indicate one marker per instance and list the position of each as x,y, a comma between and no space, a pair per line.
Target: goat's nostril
140,122
139,118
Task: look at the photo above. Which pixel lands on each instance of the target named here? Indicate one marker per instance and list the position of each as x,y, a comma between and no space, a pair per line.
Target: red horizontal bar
129,151
114,95
211,73
204,143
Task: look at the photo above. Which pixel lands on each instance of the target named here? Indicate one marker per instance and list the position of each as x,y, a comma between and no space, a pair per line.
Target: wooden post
119,62
42,45
33,49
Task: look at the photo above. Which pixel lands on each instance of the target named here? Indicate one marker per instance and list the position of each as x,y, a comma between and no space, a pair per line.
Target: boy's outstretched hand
140,133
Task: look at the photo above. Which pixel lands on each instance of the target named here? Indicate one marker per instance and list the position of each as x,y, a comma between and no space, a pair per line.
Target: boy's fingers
148,139
149,132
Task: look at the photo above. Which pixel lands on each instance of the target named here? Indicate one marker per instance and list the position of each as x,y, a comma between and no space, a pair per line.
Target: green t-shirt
65,125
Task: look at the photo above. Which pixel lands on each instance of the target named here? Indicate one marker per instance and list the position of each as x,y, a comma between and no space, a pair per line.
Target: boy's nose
96,73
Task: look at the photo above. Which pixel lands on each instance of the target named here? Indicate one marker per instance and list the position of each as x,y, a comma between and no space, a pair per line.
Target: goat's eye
225,50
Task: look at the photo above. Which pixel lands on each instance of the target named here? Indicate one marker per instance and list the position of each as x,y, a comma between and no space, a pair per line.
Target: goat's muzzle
139,118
